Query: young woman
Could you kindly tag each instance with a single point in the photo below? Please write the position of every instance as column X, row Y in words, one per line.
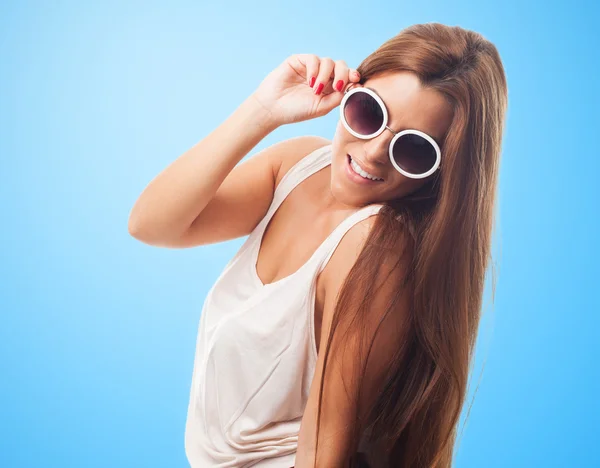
column 342, row 332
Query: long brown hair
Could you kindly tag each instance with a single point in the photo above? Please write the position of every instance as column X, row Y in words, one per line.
column 446, row 229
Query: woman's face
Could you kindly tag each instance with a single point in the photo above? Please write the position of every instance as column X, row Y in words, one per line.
column 408, row 106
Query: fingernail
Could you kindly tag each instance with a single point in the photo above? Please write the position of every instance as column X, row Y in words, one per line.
column 339, row 85
column 319, row 88
column 312, row 81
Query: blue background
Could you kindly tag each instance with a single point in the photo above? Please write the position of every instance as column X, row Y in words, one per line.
column 97, row 330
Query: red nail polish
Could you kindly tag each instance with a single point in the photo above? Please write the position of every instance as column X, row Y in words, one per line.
column 339, row 85
column 312, row 81
column 320, row 88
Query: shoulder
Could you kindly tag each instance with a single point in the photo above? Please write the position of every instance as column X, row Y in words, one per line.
column 354, row 241
column 297, row 149
column 346, row 254
column 387, row 271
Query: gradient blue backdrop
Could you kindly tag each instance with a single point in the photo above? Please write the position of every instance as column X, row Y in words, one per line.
column 97, row 330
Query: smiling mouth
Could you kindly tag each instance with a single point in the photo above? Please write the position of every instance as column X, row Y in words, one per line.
column 349, row 161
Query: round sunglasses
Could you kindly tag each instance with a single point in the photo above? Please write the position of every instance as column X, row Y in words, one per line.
column 412, row 152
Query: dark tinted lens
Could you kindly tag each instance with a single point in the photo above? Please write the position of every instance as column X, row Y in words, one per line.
column 363, row 113
column 414, row 154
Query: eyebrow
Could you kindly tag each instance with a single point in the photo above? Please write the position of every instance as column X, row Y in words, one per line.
column 437, row 140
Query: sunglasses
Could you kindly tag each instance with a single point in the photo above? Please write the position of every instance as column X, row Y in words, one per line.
column 412, row 152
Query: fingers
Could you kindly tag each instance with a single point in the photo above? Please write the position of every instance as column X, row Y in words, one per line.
column 343, row 76
column 325, row 75
column 333, row 94
column 326, row 71
column 311, row 61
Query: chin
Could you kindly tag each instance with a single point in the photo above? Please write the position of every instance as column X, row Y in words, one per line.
column 345, row 195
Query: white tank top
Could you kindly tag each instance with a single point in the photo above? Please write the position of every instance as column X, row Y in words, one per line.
column 256, row 352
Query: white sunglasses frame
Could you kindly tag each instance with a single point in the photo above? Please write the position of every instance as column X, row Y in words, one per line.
column 349, row 92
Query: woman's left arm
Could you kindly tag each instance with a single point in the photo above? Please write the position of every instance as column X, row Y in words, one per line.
column 345, row 361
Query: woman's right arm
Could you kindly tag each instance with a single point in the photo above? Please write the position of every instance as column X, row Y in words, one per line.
column 170, row 210
column 205, row 196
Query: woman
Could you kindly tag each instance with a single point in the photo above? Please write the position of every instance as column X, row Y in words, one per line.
column 342, row 331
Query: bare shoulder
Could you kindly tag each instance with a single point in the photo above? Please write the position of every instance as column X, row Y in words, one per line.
column 302, row 146
column 390, row 271
column 346, row 254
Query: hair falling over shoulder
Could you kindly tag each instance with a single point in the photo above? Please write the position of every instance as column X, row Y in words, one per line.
column 446, row 230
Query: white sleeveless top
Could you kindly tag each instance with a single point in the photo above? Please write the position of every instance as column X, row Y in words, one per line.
column 256, row 352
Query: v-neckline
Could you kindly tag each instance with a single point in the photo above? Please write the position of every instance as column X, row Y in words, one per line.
column 298, row 173
column 256, row 251
column 257, row 245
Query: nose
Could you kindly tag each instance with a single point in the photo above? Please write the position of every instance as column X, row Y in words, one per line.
column 377, row 149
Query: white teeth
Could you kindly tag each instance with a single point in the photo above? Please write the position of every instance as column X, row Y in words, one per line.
column 361, row 172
